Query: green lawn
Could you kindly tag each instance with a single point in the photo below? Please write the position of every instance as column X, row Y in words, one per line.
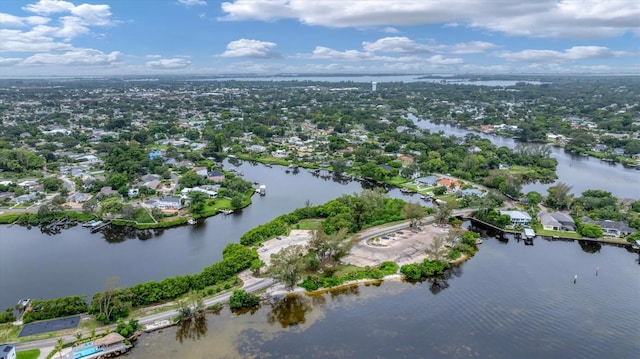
column 308, row 224
column 544, row 232
column 28, row 354
column 142, row 216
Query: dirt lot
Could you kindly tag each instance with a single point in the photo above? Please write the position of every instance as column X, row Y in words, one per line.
column 296, row 236
column 400, row 246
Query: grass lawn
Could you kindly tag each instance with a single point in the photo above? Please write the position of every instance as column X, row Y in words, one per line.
column 28, row 354
column 142, row 216
column 308, row 224
column 544, row 232
column 397, row 181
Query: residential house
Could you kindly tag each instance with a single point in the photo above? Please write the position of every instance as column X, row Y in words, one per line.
column 557, row 221
column 471, row 192
column 7, row 351
column 78, row 197
column 215, row 176
column 611, row 228
column 428, row 181
column 165, row 203
column 133, row 192
column 517, row 217
column 25, row 198
column 107, row 191
column 451, row 184
column 257, row 148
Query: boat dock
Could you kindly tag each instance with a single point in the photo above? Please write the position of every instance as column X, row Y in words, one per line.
column 95, row 225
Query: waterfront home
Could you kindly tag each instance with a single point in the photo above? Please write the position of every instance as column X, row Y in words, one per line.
column 471, row 192
column 7, row 351
column 165, row 203
column 215, row 176
column 110, row 343
column 611, row 228
column 557, row 221
column 517, row 217
column 451, row 184
column 428, row 181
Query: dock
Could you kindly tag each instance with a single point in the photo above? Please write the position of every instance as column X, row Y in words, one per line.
column 529, row 233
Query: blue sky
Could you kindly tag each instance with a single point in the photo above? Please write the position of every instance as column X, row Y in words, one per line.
column 101, row 37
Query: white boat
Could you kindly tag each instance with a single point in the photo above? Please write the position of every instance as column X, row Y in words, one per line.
column 191, row 221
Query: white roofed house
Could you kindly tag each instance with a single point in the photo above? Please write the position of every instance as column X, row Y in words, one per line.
column 165, row 203
column 518, row 217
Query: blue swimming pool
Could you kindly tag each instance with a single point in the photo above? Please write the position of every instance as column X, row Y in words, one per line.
column 85, row 352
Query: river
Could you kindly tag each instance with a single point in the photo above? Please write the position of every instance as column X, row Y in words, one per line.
column 510, row 301
column 581, row 173
column 36, row 265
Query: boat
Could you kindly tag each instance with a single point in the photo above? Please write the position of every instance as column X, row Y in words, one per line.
column 159, row 324
column 262, row 190
column 479, row 241
column 192, row 221
column 226, row 211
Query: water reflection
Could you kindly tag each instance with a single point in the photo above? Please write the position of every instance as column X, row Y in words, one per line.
column 590, row 247
column 290, row 310
column 194, row 328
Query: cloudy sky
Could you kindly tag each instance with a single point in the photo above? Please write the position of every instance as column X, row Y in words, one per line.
column 102, row 37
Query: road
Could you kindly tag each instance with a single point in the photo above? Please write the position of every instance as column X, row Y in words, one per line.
column 251, row 285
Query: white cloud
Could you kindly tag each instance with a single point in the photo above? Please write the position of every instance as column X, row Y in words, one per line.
column 17, row 21
column 552, row 56
column 47, row 7
column 36, row 40
column 390, row 30
column 321, row 52
column 252, row 49
column 541, row 18
column 192, row 2
column 169, row 64
column 8, row 61
column 75, row 57
column 397, row 45
column 473, row 47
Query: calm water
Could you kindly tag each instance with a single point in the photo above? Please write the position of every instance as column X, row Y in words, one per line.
column 582, row 173
column 37, row 265
column 509, row 301
column 373, row 78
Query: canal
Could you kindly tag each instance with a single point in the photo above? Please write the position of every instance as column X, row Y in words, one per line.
column 581, row 173
column 510, row 301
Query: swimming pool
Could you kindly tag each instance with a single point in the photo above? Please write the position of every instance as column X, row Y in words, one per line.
column 85, row 352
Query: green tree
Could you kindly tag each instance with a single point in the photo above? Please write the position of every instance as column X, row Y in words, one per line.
column 332, row 245
column 414, row 212
column 287, row 266
column 52, row 184
column 591, row 230
column 558, row 196
column 443, row 212
column 241, row 299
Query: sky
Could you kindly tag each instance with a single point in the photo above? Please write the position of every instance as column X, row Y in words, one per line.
column 140, row 37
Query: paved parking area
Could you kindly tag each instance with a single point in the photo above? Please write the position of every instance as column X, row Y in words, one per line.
column 402, row 247
column 49, row 326
column 296, row 236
